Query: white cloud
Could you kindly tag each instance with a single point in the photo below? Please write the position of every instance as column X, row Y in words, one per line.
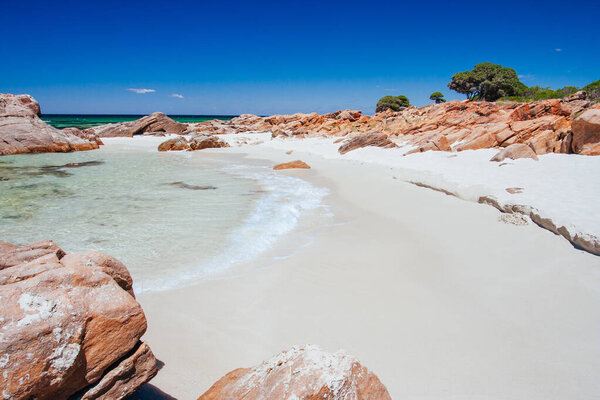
column 390, row 90
column 557, row 49
column 179, row 96
column 141, row 91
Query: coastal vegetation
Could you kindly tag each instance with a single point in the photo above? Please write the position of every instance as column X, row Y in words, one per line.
column 394, row 103
column 438, row 97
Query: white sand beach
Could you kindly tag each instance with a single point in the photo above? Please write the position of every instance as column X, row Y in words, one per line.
column 433, row 293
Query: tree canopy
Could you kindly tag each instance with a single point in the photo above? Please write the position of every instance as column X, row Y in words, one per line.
column 593, row 90
column 487, row 81
column 438, row 97
column 394, row 103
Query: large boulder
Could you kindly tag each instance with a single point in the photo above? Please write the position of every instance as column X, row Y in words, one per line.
column 22, row 130
column 206, row 142
column 156, row 122
column 69, row 325
column 586, row 133
column 301, row 373
column 377, row 139
column 514, row 152
column 174, row 144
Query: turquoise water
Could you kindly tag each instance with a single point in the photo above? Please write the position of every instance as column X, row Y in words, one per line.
column 84, row 121
column 172, row 218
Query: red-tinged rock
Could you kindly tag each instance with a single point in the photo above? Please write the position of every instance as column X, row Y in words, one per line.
column 22, row 131
column 207, row 142
column 11, row 255
column 301, row 373
column 586, row 133
column 156, row 122
column 131, row 372
column 175, row 144
column 109, row 265
column 377, row 139
column 66, row 324
column 292, row 165
column 514, row 152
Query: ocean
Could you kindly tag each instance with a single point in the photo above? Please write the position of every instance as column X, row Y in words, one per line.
column 172, row 218
column 84, row 121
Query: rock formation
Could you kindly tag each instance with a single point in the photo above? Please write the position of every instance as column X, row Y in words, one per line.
column 301, row 373
column 197, row 142
column 376, row 139
column 70, row 325
column 157, row 122
column 22, row 130
column 586, row 133
column 515, row 151
column 545, row 126
column 291, row 165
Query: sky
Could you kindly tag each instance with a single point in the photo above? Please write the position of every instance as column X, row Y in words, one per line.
column 268, row 57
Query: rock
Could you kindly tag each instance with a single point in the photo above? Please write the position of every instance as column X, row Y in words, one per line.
column 301, row 373
column 67, row 323
column 515, row 151
column 206, row 142
column 109, row 265
column 156, row 122
column 11, row 255
column 580, row 95
column 175, row 144
column 22, row 131
column 292, row 164
column 377, row 139
column 586, row 133
column 131, row 372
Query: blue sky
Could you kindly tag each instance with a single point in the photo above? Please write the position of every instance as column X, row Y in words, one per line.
column 268, row 57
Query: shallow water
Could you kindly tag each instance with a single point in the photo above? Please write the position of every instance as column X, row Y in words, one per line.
column 171, row 218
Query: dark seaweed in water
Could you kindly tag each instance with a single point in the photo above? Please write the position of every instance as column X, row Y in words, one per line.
column 8, row 172
column 184, row 185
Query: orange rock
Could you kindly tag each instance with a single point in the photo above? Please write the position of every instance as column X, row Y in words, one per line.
column 377, row 139
column 586, row 133
column 175, row 144
column 292, row 164
column 515, row 151
column 301, row 373
column 68, row 325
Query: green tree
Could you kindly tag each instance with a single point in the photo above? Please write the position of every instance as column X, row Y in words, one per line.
column 394, row 103
column 487, row 81
column 593, row 90
column 438, row 97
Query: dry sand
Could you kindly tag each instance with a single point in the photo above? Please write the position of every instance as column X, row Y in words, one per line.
column 432, row 293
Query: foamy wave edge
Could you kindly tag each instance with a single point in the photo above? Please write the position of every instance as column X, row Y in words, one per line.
column 276, row 214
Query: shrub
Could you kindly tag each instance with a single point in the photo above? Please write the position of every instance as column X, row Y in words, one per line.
column 438, row 97
column 396, row 103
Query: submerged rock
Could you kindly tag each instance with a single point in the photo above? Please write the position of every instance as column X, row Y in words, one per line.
column 68, row 322
column 22, row 131
column 184, row 185
column 301, row 373
column 292, row 164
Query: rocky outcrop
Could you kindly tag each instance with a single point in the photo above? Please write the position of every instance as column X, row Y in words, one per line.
column 197, row 142
column 514, row 152
column 376, row 139
column 70, row 325
column 157, row 122
column 545, row 126
column 586, row 133
column 292, row 165
column 22, row 130
column 301, row 373
column 175, row 144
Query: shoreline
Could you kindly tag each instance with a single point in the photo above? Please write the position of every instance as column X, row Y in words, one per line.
column 406, row 281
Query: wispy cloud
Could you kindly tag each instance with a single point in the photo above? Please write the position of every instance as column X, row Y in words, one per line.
column 179, row 96
column 526, row 76
column 390, row 90
column 141, row 91
column 557, row 49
